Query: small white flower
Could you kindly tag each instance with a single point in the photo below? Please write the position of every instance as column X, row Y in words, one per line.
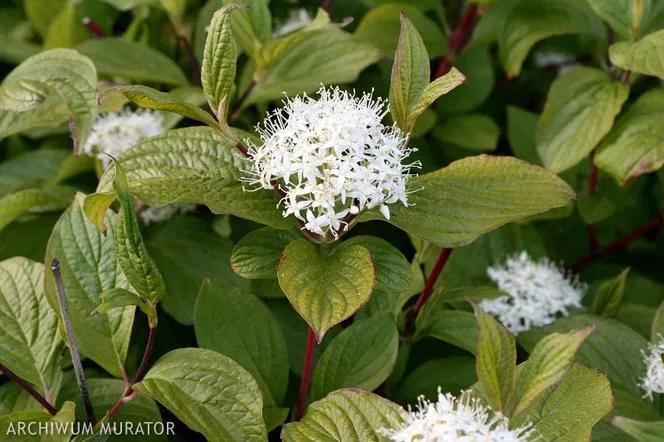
column 653, row 380
column 114, row 133
column 297, row 19
column 153, row 215
column 536, row 292
column 331, row 157
column 462, row 419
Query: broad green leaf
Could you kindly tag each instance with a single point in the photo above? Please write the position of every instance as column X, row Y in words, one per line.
column 66, row 28
column 568, row 410
column 521, row 126
column 496, row 360
column 256, row 255
column 596, row 208
column 188, row 252
column 9, row 425
column 30, row 342
column 579, row 112
column 189, row 96
column 410, row 74
column 118, row 298
column 252, row 26
column 345, row 415
column 104, row 393
column 624, row 16
column 455, row 327
column 52, row 113
column 475, row 195
column 119, row 57
column 452, row 374
column 206, row 171
column 14, row 205
column 609, row 296
column 132, row 255
column 237, row 324
column 393, row 271
column 628, row 406
column 62, row 73
column 531, row 21
column 549, row 361
column 30, row 169
column 219, row 61
column 434, row 90
column 27, row 238
column 641, row 431
column 643, row 56
column 380, row 27
column 477, row 67
column 613, row 348
column 14, row 399
column 153, row 99
column 326, row 56
column 634, row 146
column 88, row 266
column 209, row 392
column 361, row 356
column 325, row 289
column 41, row 13
column 474, row 132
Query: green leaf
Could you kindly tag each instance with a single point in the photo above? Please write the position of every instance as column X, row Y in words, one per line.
column 41, row 13
column 496, row 360
column 175, row 8
column 209, row 392
column 256, row 255
column 238, row 325
column 609, row 296
column 153, row 99
column 477, row 66
column 380, row 27
column 327, row 289
column 579, row 112
column 393, row 271
column 52, row 113
column 326, row 56
column 474, row 132
column 641, row 431
column 531, row 21
column 455, row 327
column 568, row 410
column 104, row 393
column 206, row 171
column 362, row 356
column 219, row 61
column 119, row 57
column 549, row 361
column 95, row 207
column 251, row 26
column 30, row 342
column 188, row 252
column 657, row 324
column 14, row 205
column 634, row 146
column 410, row 91
column 613, row 348
column 345, row 415
column 29, row 169
column 596, row 208
column 13, row 399
column 643, row 56
column 132, row 255
column 521, row 126
column 118, row 298
column 62, row 73
column 628, row 406
column 88, row 266
column 472, row 196
column 624, row 16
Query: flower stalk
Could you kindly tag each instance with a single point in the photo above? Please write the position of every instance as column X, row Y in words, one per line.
column 428, row 287
column 71, row 341
column 307, row 369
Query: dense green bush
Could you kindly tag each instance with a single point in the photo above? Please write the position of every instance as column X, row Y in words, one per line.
column 348, row 220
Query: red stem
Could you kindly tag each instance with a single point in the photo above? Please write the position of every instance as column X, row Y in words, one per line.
column 93, row 27
column 146, row 356
column 30, row 389
column 431, row 281
column 326, row 5
column 650, row 227
column 307, row 367
column 458, row 40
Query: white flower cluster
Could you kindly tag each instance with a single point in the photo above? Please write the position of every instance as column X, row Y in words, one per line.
column 462, row 419
column 653, row 380
column 331, row 157
column 115, row 132
column 153, row 215
column 297, row 19
column 536, row 292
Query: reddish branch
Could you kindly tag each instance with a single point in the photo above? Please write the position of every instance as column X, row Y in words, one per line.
column 93, row 27
column 458, row 40
column 326, row 5
column 307, row 368
column 650, row 227
column 30, row 389
column 431, row 281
